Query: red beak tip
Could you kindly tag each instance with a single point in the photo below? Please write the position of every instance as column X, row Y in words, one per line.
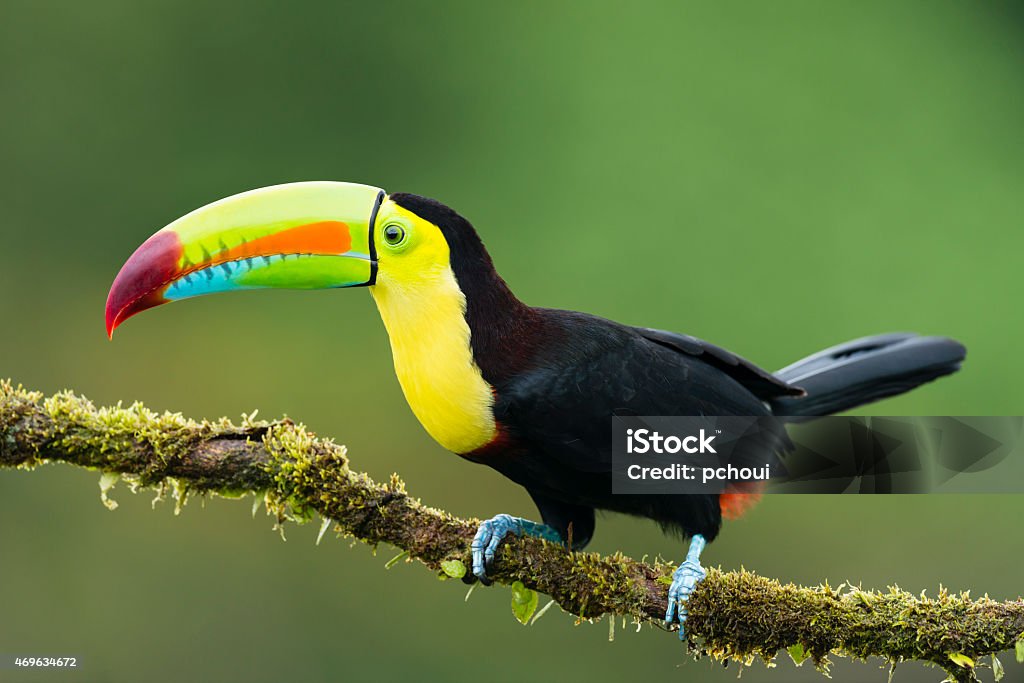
column 110, row 321
column 142, row 278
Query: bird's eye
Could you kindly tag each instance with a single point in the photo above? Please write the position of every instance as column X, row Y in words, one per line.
column 394, row 234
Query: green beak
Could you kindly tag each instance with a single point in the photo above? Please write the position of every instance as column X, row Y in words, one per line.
column 313, row 235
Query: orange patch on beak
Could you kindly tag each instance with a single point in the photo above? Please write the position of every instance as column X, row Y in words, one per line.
column 323, row 238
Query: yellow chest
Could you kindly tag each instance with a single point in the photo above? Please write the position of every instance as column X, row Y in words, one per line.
column 430, row 344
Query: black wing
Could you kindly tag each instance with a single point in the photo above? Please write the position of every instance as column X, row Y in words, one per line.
column 558, row 415
column 760, row 382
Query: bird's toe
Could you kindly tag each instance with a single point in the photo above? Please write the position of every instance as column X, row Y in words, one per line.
column 684, row 580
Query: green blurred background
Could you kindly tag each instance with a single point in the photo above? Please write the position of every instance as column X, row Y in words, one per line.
column 774, row 177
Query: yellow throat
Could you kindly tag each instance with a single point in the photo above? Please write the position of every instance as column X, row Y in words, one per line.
column 423, row 310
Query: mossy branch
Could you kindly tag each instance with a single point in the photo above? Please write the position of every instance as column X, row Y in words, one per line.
column 736, row 615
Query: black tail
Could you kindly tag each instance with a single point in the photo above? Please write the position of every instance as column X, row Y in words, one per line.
column 865, row 370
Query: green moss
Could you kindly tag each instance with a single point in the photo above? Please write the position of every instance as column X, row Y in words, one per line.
column 734, row 616
column 946, row 630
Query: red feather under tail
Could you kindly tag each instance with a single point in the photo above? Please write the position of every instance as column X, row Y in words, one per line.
column 738, row 498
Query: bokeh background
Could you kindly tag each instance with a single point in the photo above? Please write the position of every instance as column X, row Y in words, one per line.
column 774, row 177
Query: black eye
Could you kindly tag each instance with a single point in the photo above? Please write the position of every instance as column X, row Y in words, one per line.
column 394, row 234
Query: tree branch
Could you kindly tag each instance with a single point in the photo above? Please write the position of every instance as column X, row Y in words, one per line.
column 736, row 615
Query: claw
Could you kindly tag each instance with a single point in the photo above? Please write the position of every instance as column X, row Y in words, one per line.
column 493, row 531
column 684, row 579
column 488, row 536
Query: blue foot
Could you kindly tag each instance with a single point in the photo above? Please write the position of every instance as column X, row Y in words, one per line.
column 684, row 580
column 491, row 533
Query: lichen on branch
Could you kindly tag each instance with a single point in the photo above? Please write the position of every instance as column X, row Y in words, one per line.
column 734, row 615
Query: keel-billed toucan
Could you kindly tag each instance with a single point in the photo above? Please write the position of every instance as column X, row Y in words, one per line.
column 528, row 391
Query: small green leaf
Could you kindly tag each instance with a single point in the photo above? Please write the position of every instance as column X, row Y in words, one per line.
column 1020, row 650
column 997, row 669
column 962, row 660
column 798, row 654
column 454, row 568
column 524, row 602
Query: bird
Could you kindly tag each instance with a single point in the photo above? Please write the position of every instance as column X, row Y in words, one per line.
column 527, row 391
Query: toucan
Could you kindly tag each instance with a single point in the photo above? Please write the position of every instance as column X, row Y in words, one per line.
column 528, row 391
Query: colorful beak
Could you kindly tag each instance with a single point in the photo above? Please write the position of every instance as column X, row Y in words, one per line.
column 314, row 235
